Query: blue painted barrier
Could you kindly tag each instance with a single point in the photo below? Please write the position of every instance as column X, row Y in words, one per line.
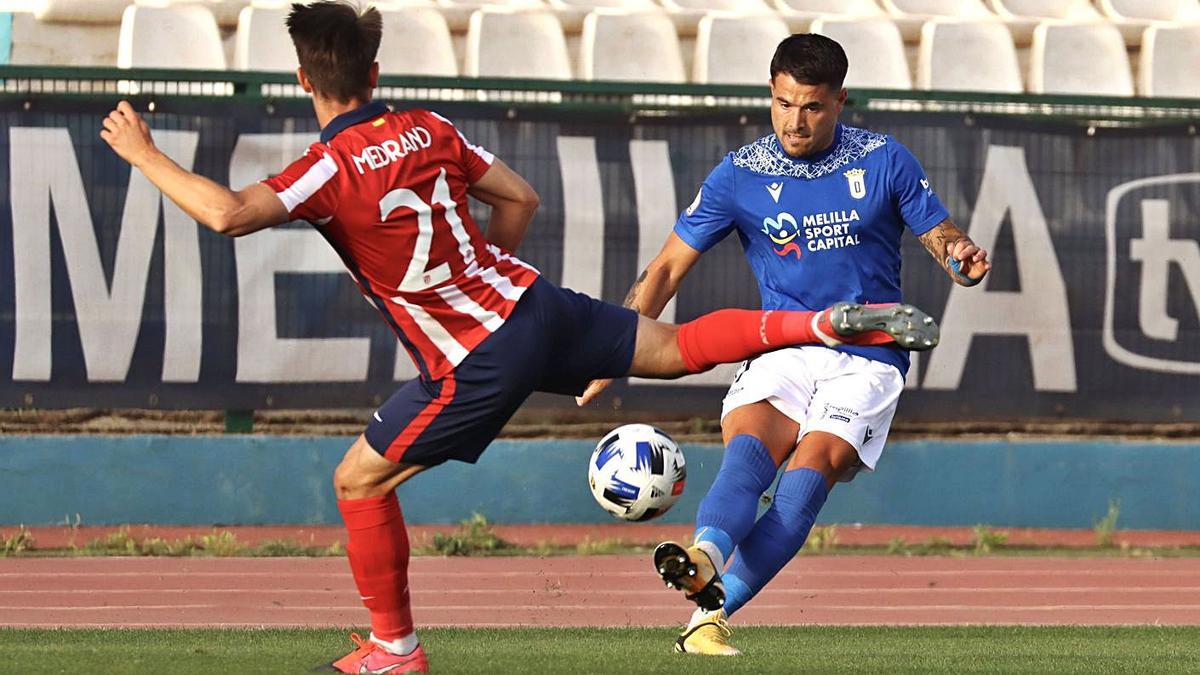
column 231, row 480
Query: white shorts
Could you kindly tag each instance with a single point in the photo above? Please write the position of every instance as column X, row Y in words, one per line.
column 848, row 396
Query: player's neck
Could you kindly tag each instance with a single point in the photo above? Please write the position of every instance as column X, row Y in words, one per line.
column 328, row 108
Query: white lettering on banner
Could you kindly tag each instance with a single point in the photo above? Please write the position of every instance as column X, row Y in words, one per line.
column 263, row 356
column 654, row 188
column 583, row 216
column 391, row 150
column 1157, row 252
column 44, row 171
column 1039, row 311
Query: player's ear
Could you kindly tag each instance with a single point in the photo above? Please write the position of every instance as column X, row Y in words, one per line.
column 373, row 76
column 302, row 78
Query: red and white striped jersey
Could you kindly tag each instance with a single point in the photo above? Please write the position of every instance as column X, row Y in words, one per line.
column 388, row 190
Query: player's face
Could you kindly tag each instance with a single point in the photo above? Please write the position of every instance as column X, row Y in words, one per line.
column 804, row 115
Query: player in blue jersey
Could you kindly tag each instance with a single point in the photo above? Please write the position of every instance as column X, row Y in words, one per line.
column 820, row 209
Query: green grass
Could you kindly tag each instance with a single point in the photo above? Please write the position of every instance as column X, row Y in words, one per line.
column 623, row 650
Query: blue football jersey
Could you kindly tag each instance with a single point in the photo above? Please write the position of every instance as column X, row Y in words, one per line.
column 819, row 230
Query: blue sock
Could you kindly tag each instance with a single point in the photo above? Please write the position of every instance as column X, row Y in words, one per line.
column 726, row 514
column 777, row 537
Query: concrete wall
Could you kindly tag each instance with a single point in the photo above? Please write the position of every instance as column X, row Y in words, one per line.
column 258, row 479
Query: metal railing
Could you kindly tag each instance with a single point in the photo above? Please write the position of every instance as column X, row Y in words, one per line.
column 25, row 85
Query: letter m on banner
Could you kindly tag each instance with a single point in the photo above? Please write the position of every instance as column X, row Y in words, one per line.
column 46, row 183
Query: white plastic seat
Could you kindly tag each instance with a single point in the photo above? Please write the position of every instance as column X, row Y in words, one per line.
column 968, row 56
column 911, row 15
column 572, row 12
column 262, row 41
column 458, row 12
column 1079, row 58
column 735, row 49
column 416, row 41
column 875, row 51
column 516, row 43
column 47, row 43
column 1151, row 10
column 1133, row 17
column 176, row 36
column 1022, row 16
column 632, row 46
column 687, row 13
column 1168, row 62
column 799, row 14
column 226, row 12
column 842, row 7
column 81, row 11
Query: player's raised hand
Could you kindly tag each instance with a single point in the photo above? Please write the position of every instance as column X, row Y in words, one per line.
column 593, row 390
column 128, row 134
column 966, row 260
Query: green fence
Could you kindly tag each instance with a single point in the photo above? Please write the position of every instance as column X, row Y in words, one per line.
column 31, row 83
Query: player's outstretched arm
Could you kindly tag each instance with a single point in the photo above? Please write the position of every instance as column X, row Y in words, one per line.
column 652, row 291
column 211, row 204
column 513, row 203
column 965, row 262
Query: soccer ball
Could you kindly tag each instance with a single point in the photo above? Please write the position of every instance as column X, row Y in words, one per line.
column 637, row 472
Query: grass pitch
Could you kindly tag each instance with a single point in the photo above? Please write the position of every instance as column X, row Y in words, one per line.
column 873, row 649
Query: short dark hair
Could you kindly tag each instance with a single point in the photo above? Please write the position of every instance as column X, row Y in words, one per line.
column 811, row 59
column 336, row 43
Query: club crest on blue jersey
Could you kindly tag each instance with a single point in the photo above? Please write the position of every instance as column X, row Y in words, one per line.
column 782, row 230
column 856, row 178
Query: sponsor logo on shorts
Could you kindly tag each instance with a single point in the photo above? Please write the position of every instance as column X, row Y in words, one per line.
column 837, row 412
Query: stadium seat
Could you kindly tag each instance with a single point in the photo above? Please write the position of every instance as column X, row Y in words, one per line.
column 1151, row 10
column 262, row 41
column 968, row 56
column 1022, row 16
column 458, row 12
column 1168, row 61
column 687, row 13
column 516, row 43
column 51, row 43
column 81, row 11
column 636, row 46
column 571, row 12
column 226, row 12
column 416, row 41
column 875, row 50
column 910, row 15
column 1079, row 58
column 799, row 14
column 176, row 36
column 736, row 49
column 1133, row 17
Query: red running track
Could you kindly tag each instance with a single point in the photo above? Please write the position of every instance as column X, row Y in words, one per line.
column 596, row 591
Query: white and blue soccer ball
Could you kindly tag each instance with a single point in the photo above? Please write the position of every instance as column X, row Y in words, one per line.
column 637, row 472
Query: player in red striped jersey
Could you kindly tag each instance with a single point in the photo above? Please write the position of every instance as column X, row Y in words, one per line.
column 389, row 191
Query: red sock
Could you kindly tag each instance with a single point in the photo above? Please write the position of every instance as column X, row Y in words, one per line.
column 378, row 553
column 732, row 335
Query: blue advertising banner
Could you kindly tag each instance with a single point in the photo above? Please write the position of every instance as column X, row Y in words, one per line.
column 113, row 297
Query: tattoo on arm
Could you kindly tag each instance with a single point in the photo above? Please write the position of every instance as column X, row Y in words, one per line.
column 936, row 240
column 631, row 296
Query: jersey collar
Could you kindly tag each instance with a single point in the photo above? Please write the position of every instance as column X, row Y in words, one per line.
column 837, row 140
column 349, row 119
